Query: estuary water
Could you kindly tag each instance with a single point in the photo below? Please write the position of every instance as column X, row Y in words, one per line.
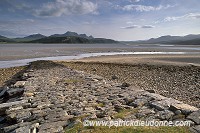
column 12, row 55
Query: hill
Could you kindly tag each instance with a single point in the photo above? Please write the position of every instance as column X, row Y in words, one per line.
column 69, row 33
column 4, row 39
column 72, row 39
column 30, row 38
column 184, row 40
column 68, row 37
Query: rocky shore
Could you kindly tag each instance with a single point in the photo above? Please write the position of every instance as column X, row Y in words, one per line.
column 50, row 97
column 178, row 82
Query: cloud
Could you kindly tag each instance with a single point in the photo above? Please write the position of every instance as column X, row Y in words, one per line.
column 186, row 16
column 142, row 8
column 67, row 7
column 134, row 0
column 129, row 22
column 130, row 27
column 147, row 26
column 138, row 26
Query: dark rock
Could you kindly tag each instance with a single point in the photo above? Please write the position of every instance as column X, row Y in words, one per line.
column 3, row 92
column 151, row 91
column 2, row 119
column 157, row 105
column 15, row 92
column 195, row 129
column 118, row 107
column 195, row 116
column 164, row 115
column 177, row 112
column 114, row 77
column 125, row 84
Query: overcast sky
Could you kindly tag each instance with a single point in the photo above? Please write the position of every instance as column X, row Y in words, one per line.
column 115, row 19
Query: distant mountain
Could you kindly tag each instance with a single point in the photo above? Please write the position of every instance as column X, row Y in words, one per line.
column 69, row 33
column 72, row 39
column 189, row 39
column 30, row 38
column 4, row 39
column 68, row 37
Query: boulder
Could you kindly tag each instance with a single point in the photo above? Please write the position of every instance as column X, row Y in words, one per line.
column 19, row 84
column 124, row 85
column 151, row 91
column 3, row 92
column 195, row 129
column 195, row 116
column 185, row 108
column 139, row 102
column 164, row 115
column 15, row 92
column 114, row 77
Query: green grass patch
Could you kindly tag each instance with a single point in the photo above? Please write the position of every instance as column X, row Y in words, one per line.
column 125, row 112
column 71, row 81
column 80, row 128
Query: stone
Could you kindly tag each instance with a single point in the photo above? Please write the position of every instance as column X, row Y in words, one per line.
column 25, row 129
column 154, row 96
column 195, row 116
column 124, row 85
column 114, row 77
column 157, row 105
column 19, row 84
column 23, row 116
column 139, row 102
column 15, row 92
column 54, row 126
column 2, row 119
column 118, row 107
column 164, row 115
column 151, row 91
column 177, row 112
column 7, row 105
column 195, row 129
column 3, row 92
column 185, row 108
column 28, row 94
column 89, row 109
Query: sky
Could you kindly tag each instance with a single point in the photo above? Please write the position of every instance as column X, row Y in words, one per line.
column 122, row 20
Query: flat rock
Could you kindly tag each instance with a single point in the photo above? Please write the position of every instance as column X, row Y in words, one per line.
column 139, row 102
column 154, row 96
column 7, row 105
column 195, row 129
column 165, row 115
column 195, row 116
column 185, row 108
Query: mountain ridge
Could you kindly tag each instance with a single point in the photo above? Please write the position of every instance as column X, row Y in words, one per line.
column 193, row 39
column 68, row 37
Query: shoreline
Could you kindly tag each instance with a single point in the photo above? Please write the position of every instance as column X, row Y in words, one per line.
column 171, row 79
column 173, row 58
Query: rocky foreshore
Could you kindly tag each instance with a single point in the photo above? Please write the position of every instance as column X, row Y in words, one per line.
column 179, row 82
column 49, row 97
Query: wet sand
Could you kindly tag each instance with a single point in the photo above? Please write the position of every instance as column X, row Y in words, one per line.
column 25, row 51
column 189, row 59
